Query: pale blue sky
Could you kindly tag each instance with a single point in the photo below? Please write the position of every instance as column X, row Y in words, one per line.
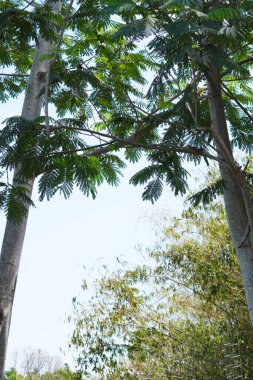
column 62, row 237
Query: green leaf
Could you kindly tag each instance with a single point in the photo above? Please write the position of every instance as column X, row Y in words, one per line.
column 208, row 194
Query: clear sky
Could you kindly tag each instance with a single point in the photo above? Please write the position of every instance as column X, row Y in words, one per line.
column 62, row 237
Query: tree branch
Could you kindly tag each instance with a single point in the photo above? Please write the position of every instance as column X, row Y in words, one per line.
column 14, row 75
column 47, row 79
column 230, row 94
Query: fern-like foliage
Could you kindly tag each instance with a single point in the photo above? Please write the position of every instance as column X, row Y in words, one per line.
column 131, row 75
column 208, row 194
column 14, row 201
column 61, row 160
column 164, row 169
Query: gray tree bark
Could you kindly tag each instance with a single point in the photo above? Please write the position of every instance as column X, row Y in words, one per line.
column 14, row 233
column 237, row 199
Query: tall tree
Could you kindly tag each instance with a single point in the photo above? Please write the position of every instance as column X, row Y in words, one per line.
column 55, row 151
column 197, row 107
column 15, row 233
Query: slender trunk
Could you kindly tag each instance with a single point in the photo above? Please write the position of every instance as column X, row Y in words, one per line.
column 236, row 195
column 15, row 233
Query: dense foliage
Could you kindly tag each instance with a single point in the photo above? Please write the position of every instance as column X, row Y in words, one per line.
column 119, row 93
column 181, row 314
column 88, row 74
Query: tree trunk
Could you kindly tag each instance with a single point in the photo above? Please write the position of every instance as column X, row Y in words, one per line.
column 15, row 233
column 238, row 209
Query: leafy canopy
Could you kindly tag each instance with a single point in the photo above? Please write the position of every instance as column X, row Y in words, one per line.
column 128, row 75
column 86, row 76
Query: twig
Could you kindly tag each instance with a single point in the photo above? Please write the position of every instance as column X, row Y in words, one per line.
column 28, row 5
column 62, row 32
column 52, row 62
column 238, row 79
column 14, row 75
column 200, row 129
column 225, row 151
column 46, row 97
column 246, row 166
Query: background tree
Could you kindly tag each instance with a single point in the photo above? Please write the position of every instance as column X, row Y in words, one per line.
column 14, row 233
column 36, row 362
column 182, row 314
column 62, row 374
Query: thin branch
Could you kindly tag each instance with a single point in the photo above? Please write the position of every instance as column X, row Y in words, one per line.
column 62, row 32
column 28, row 5
column 167, row 149
column 230, row 94
column 247, row 60
column 132, row 105
column 14, row 75
column 228, row 157
column 52, row 62
column 132, row 141
column 246, row 166
column 46, row 97
column 74, row 150
column 238, row 79
column 88, row 60
column 200, row 129
column 65, row 152
column 241, row 63
column 117, row 143
column 181, row 92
